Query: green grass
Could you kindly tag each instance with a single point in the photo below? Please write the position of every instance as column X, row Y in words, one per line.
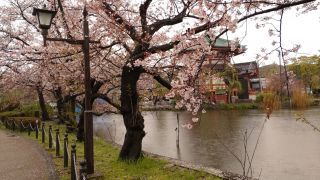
column 236, row 106
column 240, row 106
column 107, row 163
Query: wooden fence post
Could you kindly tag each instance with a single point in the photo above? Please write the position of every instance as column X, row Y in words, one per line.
column 83, row 169
column 50, row 137
column 73, row 163
column 65, row 150
column 57, row 143
column 29, row 129
column 21, row 126
column 43, row 135
column 37, row 129
column 13, row 125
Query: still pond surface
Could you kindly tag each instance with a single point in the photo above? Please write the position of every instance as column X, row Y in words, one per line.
column 287, row 149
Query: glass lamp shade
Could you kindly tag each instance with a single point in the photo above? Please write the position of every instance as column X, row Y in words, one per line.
column 44, row 17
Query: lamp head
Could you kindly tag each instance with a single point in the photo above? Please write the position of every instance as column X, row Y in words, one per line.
column 44, row 17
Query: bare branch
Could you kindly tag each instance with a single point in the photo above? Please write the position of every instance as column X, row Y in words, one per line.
column 279, row 7
column 120, row 21
column 164, row 47
column 106, row 98
column 162, row 81
column 143, row 14
column 65, row 24
column 169, row 21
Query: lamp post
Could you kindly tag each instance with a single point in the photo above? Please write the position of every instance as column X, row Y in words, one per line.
column 45, row 17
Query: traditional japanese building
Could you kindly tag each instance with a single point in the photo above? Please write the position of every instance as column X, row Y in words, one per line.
column 248, row 75
column 211, row 84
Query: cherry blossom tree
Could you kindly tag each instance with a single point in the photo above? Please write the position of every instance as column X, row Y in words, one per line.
column 164, row 39
column 17, row 38
column 158, row 34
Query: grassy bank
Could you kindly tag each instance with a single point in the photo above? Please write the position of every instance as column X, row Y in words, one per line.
column 106, row 162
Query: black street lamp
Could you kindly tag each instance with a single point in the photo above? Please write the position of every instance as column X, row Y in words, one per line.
column 45, row 17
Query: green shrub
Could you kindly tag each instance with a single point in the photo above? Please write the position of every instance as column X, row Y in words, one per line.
column 270, row 102
column 300, row 99
column 30, row 109
column 11, row 114
column 259, row 98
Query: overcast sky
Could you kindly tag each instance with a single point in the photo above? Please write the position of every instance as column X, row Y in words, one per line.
column 302, row 29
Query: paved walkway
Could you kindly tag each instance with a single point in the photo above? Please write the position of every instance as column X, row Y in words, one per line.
column 23, row 159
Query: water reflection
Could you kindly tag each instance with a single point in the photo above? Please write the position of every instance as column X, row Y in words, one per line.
column 287, row 149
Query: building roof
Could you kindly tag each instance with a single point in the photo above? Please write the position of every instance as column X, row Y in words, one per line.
column 221, row 43
column 247, row 67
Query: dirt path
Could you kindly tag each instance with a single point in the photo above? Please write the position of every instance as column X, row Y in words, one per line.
column 23, row 159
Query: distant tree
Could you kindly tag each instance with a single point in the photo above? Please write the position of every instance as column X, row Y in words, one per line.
column 231, row 79
column 307, row 69
column 277, row 84
column 315, row 82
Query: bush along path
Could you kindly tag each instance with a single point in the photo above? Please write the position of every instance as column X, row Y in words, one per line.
column 22, row 159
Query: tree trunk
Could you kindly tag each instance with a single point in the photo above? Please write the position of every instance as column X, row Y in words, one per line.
column 72, row 109
column 60, row 108
column 60, row 104
column 133, row 120
column 95, row 86
column 44, row 112
column 229, row 96
column 80, row 126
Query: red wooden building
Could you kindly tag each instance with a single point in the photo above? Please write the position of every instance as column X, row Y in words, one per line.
column 210, row 83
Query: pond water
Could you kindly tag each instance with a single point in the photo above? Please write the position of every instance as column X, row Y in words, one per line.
column 287, row 149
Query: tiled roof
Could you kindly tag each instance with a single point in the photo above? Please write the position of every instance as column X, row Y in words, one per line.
column 246, row 67
column 223, row 43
